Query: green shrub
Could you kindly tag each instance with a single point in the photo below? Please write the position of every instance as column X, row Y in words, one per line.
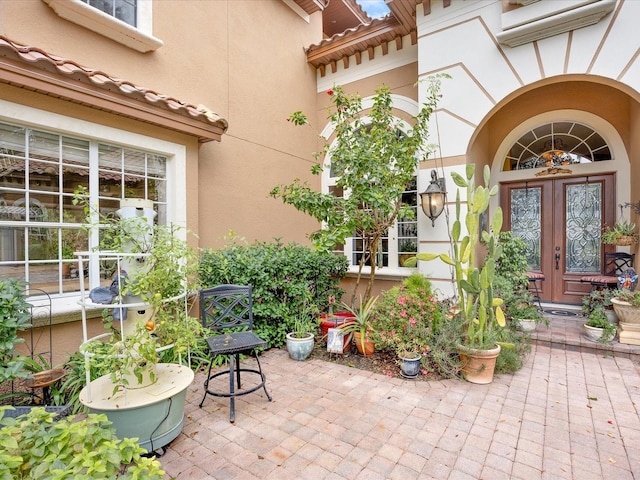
column 35, row 446
column 285, row 278
column 404, row 318
column 15, row 313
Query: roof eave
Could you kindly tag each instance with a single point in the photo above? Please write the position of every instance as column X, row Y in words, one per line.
column 35, row 70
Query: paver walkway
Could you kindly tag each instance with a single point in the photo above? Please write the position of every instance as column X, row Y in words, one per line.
column 567, row 414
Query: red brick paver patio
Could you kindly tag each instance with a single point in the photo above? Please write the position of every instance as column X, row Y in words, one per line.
column 571, row 412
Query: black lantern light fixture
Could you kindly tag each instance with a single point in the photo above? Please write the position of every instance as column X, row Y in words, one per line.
column 433, row 198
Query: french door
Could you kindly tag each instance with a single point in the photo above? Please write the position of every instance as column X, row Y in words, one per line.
column 560, row 220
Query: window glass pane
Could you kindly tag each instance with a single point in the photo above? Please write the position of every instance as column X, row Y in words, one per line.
column 40, row 228
column 126, row 11
column 407, row 226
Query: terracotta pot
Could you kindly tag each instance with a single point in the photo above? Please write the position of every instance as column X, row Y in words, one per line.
column 478, row 365
column 368, row 344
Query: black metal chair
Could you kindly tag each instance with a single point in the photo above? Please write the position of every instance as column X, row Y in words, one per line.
column 615, row 264
column 534, row 288
column 228, row 309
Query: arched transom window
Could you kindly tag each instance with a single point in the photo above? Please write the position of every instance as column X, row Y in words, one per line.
column 557, row 143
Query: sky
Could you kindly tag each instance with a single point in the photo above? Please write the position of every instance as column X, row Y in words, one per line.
column 374, row 8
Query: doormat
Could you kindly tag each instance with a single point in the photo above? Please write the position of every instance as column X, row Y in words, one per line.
column 558, row 312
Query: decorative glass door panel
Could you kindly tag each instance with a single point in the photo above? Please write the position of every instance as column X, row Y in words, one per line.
column 560, row 221
column 526, row 221
column 584, row 221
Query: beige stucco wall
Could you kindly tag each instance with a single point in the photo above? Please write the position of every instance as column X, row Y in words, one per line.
column 221, row 54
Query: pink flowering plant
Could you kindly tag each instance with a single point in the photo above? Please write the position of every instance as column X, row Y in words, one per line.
column 405, row 318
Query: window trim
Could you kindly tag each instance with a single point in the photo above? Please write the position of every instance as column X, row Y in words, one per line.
column 60, row 124
column 139, row 38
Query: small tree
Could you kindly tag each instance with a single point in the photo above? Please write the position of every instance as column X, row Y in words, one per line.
column 375, row 159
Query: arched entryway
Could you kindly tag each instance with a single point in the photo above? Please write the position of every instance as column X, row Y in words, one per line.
column 562, row 164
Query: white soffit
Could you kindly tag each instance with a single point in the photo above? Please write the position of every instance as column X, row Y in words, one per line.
column 545, row 19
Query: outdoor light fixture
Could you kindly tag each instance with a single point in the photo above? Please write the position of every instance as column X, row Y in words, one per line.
column 433, row 198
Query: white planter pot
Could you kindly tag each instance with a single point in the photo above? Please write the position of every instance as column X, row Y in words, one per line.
column 526, row 324
column 592, row 333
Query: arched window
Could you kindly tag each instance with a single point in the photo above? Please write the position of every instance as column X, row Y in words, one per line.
column 555, row 144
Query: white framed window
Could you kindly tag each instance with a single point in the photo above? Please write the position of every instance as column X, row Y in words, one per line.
column 401, row 241
column 42, row 166
column 123, row 10
column 129, row 22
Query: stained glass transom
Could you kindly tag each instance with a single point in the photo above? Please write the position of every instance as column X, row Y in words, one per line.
column 556, row 144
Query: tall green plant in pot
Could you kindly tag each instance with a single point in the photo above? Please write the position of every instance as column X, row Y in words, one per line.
column 477, row 308
column 374, row 157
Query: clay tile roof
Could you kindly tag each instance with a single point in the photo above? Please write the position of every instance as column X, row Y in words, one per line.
column 197, row 120
column 366, row 36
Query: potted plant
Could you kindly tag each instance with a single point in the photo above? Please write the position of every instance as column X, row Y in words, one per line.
column 511, row 284
column 361, row 325
column 598, row 328
column 333, row 320
column 409, row 361
column 300, row 341
column 479, row 312
column 403, row 322
column 374, row 158
column 157, row 269
column 623, row 233
column 600, row 300
column 626, row 304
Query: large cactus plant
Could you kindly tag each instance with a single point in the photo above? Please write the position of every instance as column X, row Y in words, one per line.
column 479, row 310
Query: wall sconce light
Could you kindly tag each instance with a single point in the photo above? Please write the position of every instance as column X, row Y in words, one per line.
column 433, row 198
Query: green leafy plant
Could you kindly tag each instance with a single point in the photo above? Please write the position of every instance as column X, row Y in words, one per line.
column 14, row 318
column 511, row 282
column 126, row 356
column 307, row 320
column 628, row 296
column 163, row 275
column 622, row 228
column 374, row 158
column 38, row 446
column 405, row 317
column 362, row 316
column 282, row 275
column 480, row 313
column 599, row 300
column 598, row 319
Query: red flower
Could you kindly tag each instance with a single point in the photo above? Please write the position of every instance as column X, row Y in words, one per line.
column 329, row 92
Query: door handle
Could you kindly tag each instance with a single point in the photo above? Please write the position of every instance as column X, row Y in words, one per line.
column 557, row 257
